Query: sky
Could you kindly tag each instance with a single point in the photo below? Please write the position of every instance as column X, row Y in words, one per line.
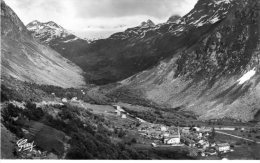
column 99, row 17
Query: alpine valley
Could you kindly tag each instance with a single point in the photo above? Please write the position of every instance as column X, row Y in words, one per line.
column 176, row 90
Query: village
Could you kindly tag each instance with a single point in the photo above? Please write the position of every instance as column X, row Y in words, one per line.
column 198, row 140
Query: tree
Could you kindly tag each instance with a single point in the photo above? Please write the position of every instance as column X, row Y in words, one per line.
column 212, row 135
column 133, row 140
column 121, row 133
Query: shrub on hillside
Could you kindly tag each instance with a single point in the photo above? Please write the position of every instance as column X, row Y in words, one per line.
column 32, row 112
column 133, row 140
column 89, row 139
column 8, row 115
column 9, row 94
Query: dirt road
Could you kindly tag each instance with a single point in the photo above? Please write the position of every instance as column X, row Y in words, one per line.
column 236, row 136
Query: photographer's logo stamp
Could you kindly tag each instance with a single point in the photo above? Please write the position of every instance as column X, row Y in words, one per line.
column 24, row 145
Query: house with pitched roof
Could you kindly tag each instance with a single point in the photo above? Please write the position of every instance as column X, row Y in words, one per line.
column 172, row 138
column 223, row 147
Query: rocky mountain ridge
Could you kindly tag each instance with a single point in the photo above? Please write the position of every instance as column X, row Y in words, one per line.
column 58, row 38
column 46, row 32
column 174, row 19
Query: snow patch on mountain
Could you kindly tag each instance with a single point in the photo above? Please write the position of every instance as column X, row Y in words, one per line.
column 214, row 20
column 200, row 21
column 74, row 39
column 222, row 1
column 247, row 76
column 147, row 24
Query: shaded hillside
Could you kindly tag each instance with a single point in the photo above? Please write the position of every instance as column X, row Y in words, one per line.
column 215, row 77
column 27, row 60
column 136, row 49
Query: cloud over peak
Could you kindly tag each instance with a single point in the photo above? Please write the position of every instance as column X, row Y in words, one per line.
column 79, row 14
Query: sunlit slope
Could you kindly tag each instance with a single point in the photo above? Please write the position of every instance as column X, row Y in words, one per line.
column 27, row 60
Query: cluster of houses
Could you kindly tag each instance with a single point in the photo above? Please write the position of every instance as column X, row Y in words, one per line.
column 166, row 135
column 198, row 137
column 73, row 99
column 195, row 137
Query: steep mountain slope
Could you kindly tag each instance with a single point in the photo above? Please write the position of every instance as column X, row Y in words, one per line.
column 126, row 53
column 58, row 38
column 25, row 59
column 218, row 75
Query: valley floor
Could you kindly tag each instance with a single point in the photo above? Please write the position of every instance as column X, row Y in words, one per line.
column 63, row 122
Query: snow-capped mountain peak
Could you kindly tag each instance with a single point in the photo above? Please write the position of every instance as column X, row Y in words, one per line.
column 49, row 24
column 53, row 24
column 58, row 38
column 205, row 12
column 147, row 24
column 35, row 22
column 174, row 19
column 46, row 32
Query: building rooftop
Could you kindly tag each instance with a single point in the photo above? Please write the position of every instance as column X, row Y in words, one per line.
column 222, row 144
column 187, row 140
column 173, row 136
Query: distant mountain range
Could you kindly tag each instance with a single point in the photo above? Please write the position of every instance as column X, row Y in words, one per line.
column 100, row 67
column 126, row 53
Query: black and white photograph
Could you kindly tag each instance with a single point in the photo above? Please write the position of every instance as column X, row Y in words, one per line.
column 130, row 80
